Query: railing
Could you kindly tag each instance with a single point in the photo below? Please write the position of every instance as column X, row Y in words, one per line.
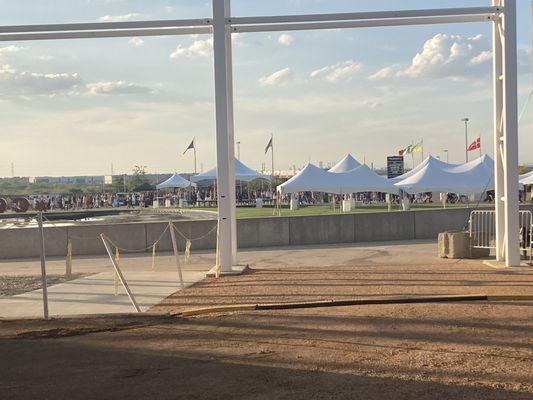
column 483, row 229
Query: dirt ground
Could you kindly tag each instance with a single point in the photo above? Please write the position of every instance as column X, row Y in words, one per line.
column 419, row 351
column 12, row 285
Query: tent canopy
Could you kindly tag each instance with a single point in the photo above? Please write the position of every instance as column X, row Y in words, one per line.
column 527, row 178
column 434, row 162
column 346, row 164
column 314, row 179
column 474, row 177
column 242, row 174
column 175, row 181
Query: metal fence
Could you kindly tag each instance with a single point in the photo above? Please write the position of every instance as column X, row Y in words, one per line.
column 483, row 229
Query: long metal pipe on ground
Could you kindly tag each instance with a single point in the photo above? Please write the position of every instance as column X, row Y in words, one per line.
column 351, row 302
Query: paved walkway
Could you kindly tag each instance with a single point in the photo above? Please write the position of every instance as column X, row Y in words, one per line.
column 94, row 294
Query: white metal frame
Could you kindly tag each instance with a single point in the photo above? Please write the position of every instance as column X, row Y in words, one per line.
column 502, row 14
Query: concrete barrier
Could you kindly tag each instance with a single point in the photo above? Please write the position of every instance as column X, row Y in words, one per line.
column 251, row 232
column 321, row 229
column 384, row 226
column 263, row 232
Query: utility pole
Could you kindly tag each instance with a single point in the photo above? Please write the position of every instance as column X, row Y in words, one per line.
column 465, row 120
column 239, row 150
column 447, row 158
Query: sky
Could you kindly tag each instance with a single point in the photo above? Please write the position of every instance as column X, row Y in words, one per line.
column 76, row 107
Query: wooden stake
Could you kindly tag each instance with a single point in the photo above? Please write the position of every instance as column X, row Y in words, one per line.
column 68, row 263
column 153, row 257
column 117, row 261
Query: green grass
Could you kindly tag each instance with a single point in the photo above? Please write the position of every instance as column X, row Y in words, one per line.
column 250, row 212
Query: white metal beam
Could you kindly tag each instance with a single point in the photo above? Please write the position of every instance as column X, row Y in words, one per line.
column 510, row 135
column 222, row 108
column 14, row 37
column 499, row 205
column 362, row 23
column 93, row 26
column 231, row 133
column 363, row 15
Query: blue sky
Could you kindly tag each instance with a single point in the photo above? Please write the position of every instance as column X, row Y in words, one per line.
column 75, row 107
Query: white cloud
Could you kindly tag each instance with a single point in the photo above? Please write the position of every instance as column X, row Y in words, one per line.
column 24, row 83
column 338, row 72
column 118, row 88
column 383, row 73
column 136, row 41
column 450, row 56
column 121, row 18
column 277, row 78
column 10, row 49
column 285, row 39
column 199, row 48
column 481, row 58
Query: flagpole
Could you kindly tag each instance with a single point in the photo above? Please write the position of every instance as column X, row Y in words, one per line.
column 422, row 150
column 272, row 154
column 412, row 155
column 194, row 148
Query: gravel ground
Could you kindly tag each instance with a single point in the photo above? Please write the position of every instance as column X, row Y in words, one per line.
column 475, row 350
column 12, row 285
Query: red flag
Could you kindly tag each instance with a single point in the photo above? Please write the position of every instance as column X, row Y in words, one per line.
column 400, row 152
column 476, row 144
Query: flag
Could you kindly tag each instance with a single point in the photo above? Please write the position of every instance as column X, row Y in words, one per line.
column 417, row 148
column 191, row 146
column 269, row 145
column 405, row 151
column 476, row 144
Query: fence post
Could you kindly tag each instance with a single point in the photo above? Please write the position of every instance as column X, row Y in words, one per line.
column 176, row 254
column 68, row 263
column 43, row 264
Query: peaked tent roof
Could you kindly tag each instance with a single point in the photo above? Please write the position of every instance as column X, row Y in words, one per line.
column 527, row 178
column 175, row 181
column 314, row 179
column 429, row 160
column 477, row 176
column 346, row 164
column 242, row 173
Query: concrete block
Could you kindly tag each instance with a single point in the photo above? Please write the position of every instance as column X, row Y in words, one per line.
column 24, row 242
column 86, row 239
column 321, row 229
column 384, row 226
column 429, row 223
column 263, row 232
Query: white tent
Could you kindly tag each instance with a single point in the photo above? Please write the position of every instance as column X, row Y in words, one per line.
column 314, row 179
column 242, row 174
column 527, row 178
column 346, row 164
column 474, row 177
column 175, row 181
column 435, row 162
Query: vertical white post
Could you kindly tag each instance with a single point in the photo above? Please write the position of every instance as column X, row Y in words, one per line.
column 43, row 264
column 510, row 136
column 231, row 132
column 225, row 173
column 498, row 133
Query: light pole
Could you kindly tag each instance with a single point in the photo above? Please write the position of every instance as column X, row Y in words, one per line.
column 447, row 158
column 238, row 150
column 465, row 120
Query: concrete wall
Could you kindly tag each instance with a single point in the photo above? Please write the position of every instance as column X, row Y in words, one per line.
column 252, row 232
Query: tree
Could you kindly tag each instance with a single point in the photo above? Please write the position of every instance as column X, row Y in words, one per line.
column 139, row 177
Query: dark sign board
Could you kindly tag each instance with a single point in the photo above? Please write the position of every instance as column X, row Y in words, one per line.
column 394, row 166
